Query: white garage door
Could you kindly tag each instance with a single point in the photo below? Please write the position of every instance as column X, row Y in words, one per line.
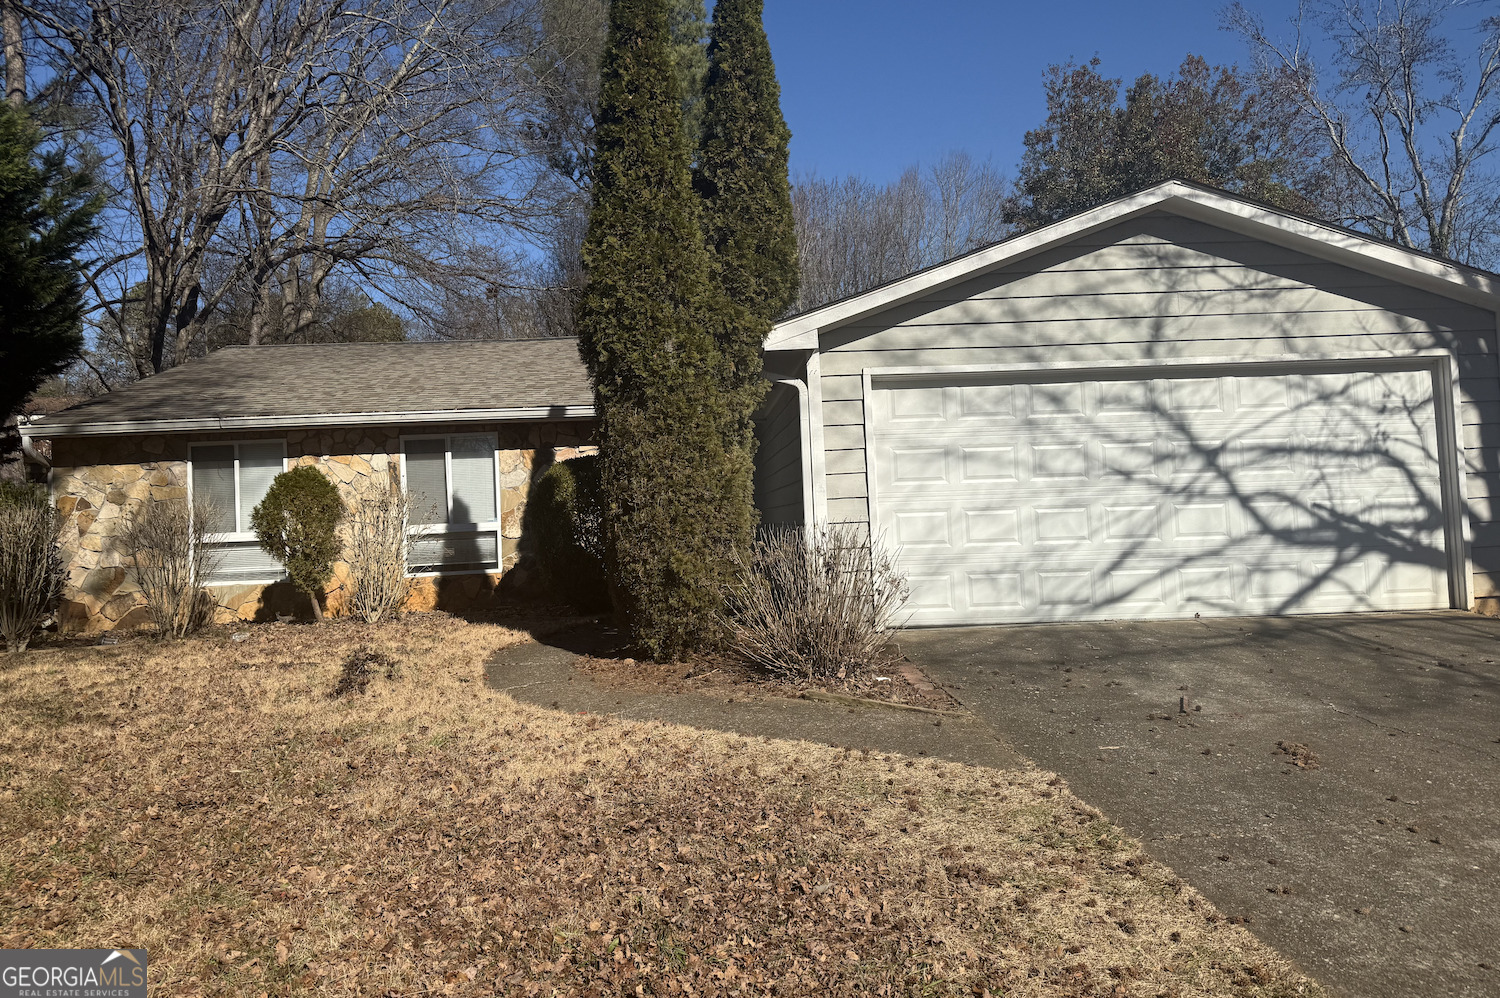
column 1291, row 492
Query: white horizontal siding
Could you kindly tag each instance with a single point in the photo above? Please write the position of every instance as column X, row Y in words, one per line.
column 1167, row 288
column 778, row 458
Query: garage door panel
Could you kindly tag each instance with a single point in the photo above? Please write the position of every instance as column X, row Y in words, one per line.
column 1163, row 497
column 987, row 465
column 1054, row 458
column 995, row 591
column 989, row 528
column 987, row 402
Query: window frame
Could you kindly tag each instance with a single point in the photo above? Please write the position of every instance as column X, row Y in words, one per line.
column 235, row 536
column 416, row 530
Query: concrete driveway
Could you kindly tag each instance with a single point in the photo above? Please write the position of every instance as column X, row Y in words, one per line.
column 1375, row 864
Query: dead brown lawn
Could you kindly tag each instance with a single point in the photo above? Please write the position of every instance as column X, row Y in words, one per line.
column 208, row 801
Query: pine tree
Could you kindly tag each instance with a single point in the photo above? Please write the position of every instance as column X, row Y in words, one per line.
column 46, row 215
column 646, row 322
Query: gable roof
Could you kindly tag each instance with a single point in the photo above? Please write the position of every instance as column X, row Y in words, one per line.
column 1205, row 204
column 325, row 384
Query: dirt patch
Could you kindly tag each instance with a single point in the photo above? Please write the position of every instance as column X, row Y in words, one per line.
column 207, row 800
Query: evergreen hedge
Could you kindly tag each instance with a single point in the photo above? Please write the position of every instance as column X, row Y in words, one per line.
column 741, row 177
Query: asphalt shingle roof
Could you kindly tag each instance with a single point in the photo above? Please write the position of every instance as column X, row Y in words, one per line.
column 347, row 379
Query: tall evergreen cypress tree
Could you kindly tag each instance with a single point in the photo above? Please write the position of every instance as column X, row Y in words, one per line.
column 646, row 323
column 741, row 175
column 688, row 23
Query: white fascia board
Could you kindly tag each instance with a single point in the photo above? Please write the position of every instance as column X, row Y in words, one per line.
column 1326, row 242
column 216, row 423
column 1441, row 277
column 792, row 334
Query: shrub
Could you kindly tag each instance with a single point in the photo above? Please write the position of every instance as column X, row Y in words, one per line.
column 375, row 550
column 565, row 518
column 297, row 524
column 31, row 570
column 810, row 605
column 171, row 560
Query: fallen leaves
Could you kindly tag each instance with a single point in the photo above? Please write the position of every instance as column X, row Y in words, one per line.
column 434, row 836
column 1297, row 754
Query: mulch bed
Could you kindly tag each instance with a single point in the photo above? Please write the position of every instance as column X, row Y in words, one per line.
column 731, row 677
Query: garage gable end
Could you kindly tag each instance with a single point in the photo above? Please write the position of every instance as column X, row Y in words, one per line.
column 1170, row 416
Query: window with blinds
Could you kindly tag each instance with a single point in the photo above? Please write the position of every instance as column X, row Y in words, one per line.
column 232, row 479
column 454, row 517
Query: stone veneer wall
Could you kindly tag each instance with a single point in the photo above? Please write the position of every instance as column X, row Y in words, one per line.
column 97, row 483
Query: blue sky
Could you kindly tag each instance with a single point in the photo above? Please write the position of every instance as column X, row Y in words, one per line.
column 872, row 86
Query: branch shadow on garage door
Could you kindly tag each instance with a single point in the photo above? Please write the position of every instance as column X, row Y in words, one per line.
column 1275, row 489
column 1212, row 456
column 1323, row 483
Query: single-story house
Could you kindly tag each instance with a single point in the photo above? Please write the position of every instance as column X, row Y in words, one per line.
column 467, row 425
column 1177, row 403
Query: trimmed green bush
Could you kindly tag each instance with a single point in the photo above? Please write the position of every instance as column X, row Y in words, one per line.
column 297, row 524
column 564, row 516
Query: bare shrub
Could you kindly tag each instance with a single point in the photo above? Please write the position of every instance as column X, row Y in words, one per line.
column 171, row 561
column 375, row 550
column 810, row 605
column 31, row 570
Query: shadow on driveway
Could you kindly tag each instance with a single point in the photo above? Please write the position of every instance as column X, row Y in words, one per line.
column 543, row 674
column 1378, row 869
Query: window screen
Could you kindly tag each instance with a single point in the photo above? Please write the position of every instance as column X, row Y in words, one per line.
column 427, row 480
column 473, row 479
column 242, row 561
column 213, row 484
column 259, row 466
column 454, row 552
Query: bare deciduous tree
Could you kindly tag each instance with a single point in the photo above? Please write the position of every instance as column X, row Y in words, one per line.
column 1408, row 111
column 853, row 234
column 966, row 201
column 15, row 53
column 271, row 144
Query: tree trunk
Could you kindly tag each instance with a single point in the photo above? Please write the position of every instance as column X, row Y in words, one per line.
column 317, row 607
column 15, row 54
column 260, row 313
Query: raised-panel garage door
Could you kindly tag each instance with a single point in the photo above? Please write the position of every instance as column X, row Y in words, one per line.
column 1289, row 492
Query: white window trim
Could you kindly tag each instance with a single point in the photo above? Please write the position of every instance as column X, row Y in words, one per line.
column 439, row 529
column 235, row 536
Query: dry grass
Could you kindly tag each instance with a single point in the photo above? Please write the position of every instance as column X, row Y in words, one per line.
column 209, row 801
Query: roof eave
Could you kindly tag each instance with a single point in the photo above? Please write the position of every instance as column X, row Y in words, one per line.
column 1315, row 239
column 530, row 414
